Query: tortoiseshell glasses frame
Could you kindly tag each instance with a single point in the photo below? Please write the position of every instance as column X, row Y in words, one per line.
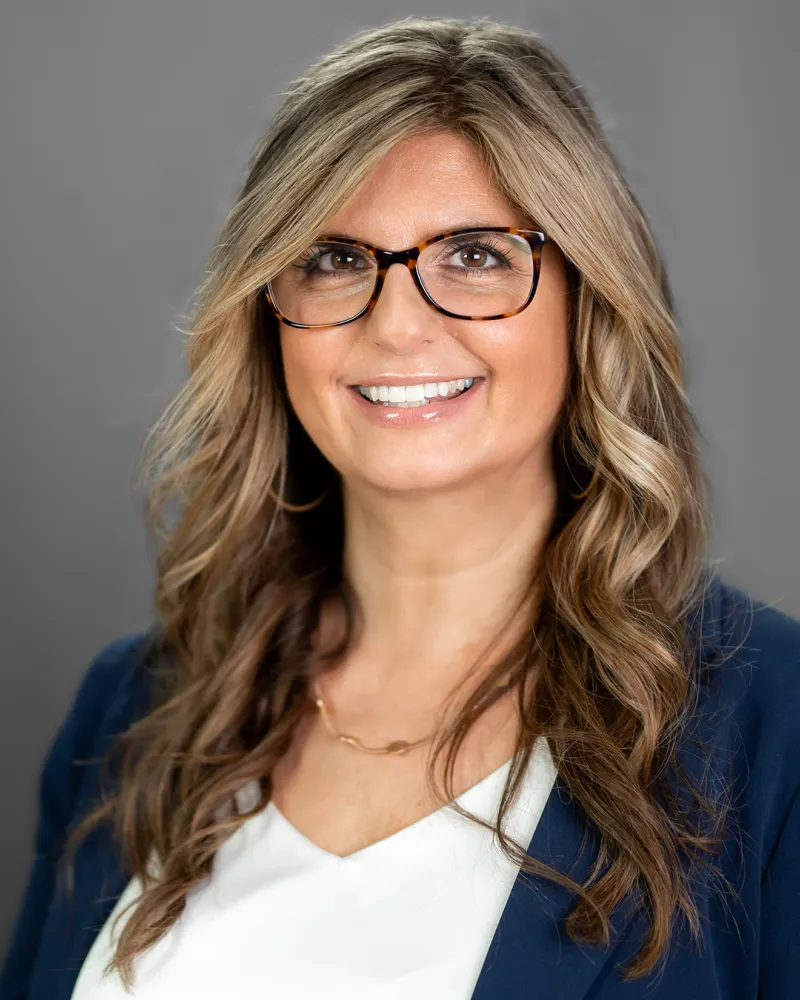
column 535, row 239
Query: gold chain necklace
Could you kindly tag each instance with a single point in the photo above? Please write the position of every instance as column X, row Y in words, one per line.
column 396, row 746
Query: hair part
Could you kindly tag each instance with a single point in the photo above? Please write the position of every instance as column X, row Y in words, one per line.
column 606, row 667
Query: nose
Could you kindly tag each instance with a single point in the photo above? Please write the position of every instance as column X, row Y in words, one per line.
column 401, row 320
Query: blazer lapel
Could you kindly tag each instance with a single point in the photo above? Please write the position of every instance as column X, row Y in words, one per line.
column 528, row 950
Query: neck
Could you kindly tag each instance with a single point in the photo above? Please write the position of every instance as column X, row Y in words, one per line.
column 437, row 574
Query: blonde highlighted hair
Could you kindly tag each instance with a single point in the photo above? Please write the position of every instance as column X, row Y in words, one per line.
column 253, row 544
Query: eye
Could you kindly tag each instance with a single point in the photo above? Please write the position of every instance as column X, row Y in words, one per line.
column 329, row 258
column 473, row 247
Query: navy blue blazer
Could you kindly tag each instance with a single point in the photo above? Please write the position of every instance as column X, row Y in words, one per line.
column 750, row 706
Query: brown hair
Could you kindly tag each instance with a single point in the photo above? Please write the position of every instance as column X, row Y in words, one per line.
column 242, row 572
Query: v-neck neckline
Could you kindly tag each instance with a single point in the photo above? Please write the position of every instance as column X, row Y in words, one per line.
column 392, row 839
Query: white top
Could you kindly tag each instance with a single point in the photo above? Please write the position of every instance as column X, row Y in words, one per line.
column 412, row 915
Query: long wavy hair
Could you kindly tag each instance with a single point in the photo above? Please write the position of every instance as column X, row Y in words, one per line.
column 247, row 514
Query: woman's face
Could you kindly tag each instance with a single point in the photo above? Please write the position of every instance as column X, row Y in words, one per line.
column 425, row 186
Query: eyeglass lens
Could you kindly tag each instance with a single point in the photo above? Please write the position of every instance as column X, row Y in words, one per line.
column 477, row 274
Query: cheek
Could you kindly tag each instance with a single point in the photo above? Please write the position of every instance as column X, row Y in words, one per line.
column 535, row 350
column 303, row 369
column 311, row 362
column 530, row 371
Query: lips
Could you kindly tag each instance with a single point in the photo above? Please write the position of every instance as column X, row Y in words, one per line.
column 420, row 378
column 425, row 412
column 413, row 394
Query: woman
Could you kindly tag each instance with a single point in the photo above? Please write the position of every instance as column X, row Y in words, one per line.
column 434, row 625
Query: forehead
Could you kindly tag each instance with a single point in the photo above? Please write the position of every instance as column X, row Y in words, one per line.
column 424, row 185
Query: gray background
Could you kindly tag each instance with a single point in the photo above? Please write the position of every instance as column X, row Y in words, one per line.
column 125, row 129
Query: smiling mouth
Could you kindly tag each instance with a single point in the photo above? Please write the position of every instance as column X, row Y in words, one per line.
column 415, row 395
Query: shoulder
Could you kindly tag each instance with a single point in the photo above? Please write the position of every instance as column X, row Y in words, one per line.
column 114, row 690
column 749, row 703
column 751, row 656
column 114, row 687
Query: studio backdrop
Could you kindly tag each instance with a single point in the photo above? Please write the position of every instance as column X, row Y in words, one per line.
column 125, row 132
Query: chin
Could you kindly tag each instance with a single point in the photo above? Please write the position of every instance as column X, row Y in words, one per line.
column 413, row 478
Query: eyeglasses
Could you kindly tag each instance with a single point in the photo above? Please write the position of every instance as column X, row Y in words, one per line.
column 484, row 273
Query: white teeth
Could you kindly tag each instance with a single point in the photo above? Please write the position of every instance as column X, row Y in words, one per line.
column 414, row 395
